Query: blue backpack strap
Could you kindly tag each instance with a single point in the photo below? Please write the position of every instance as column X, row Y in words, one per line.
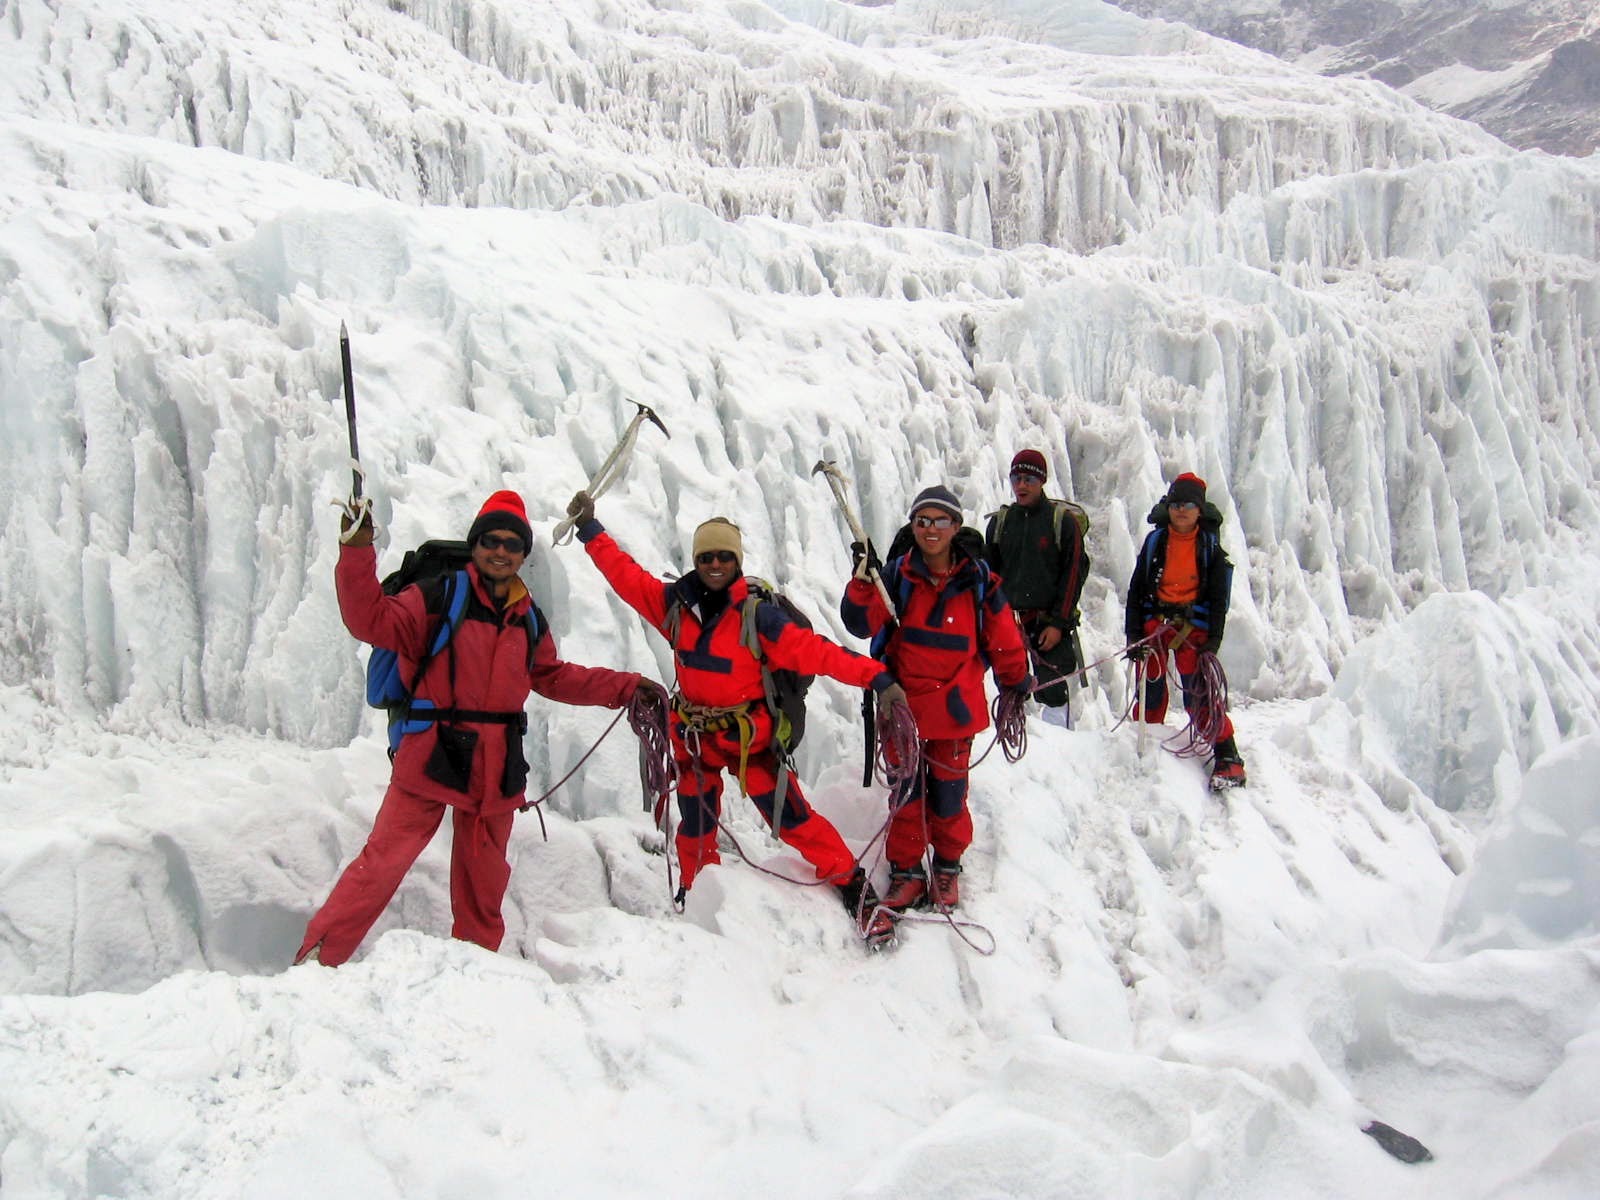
column 457, row 591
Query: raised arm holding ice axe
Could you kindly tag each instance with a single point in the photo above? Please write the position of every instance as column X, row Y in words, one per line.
column 612, row 469
column 866, row 567
column 457, row 639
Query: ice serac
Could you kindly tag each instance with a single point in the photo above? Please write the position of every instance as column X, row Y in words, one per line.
column 905, row 117
column 1372, row 329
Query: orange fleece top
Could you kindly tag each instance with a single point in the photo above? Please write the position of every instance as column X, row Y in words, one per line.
column 1180, row 582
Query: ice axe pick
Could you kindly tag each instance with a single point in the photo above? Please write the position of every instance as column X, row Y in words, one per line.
column 611, row 470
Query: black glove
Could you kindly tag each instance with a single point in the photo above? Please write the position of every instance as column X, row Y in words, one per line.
column 863, row 561
column 581, row 508
column 1138, row 653
column 1024, row 689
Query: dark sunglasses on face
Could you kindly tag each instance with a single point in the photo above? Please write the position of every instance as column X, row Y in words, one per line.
column 1023, row 476
column 1183, row 504
column 716, row 556
column 933, row 522
column 494, row 541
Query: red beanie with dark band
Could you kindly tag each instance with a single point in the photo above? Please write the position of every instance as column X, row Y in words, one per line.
column 503, row 510
column 1030, row 462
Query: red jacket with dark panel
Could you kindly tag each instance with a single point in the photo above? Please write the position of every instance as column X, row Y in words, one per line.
column 484, row 667
column 714, row 667
column 940, row 648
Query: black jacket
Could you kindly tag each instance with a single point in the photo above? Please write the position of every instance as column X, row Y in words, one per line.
column 1210, row 611
column 1042, row 573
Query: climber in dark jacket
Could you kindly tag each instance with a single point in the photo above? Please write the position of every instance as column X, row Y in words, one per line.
column 1036, row 547
column 1179, row 597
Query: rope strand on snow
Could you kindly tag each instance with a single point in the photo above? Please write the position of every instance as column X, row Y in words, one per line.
column 647, row 718
column 1046, row 676
column 555, row 787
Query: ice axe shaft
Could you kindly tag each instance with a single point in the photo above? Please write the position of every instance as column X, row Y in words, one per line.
column 836, row 481
column 350, row 411
column 869, row 724
column 611, row 470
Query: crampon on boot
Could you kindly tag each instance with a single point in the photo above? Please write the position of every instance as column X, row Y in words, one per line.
column 908, row 888
column 873, row 921
column 1227, row 768
column 946, row 884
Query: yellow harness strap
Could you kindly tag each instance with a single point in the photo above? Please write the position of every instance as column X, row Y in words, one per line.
column 705, row 718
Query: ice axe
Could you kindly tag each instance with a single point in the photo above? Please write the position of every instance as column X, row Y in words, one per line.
column 350, row 412
column 611, row 470
column 357, row 509
column 836, row 481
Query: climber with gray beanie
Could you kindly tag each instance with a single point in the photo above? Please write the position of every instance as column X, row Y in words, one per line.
column 951, row 620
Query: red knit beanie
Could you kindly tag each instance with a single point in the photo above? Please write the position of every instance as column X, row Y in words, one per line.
column 1030, row 462
column 503, row 510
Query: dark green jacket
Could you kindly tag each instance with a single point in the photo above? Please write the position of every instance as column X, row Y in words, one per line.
column 1039, row 575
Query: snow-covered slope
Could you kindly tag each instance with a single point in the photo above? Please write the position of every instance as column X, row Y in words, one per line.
column 1527, row 72
column 912, row 239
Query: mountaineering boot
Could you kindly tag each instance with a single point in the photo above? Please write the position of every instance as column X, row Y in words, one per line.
column 1227, row 768
column 946, row 884
column 908, row 888
column 861, row 901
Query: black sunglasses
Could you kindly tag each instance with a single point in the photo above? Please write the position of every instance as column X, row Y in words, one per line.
column 510, row 542
column 933, row 522
column 716, row 556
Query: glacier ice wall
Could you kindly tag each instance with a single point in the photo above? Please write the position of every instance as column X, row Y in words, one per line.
column 791, row 229
column 923, row 116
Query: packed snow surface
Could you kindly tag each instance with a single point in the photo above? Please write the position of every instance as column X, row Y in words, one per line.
column 910, row 239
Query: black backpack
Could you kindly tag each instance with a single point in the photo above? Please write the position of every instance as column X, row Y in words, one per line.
column 445, row 560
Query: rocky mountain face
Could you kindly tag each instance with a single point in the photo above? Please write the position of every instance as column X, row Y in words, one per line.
column 1527, row 72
